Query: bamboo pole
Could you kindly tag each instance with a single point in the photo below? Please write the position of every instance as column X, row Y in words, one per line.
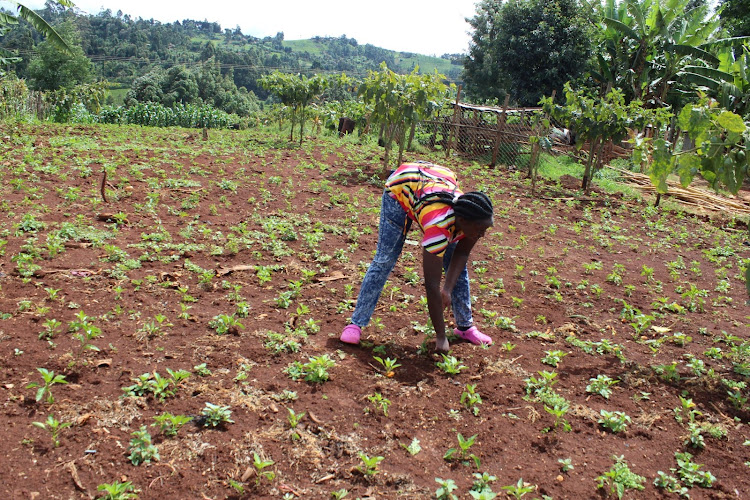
column 500, row 126
column 454, row 126
column 535, row 150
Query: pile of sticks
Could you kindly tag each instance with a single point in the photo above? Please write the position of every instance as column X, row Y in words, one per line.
column 691, row 196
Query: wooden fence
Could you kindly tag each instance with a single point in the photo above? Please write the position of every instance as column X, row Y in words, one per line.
column 495, row 135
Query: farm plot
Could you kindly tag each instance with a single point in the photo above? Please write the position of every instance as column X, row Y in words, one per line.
column 172, row 332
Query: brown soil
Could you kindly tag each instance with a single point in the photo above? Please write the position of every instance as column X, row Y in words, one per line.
column 254, row 200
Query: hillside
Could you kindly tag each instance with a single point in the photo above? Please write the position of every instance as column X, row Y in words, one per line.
column 123, row 48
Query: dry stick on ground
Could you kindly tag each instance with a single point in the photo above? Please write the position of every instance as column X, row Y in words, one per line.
column 104, row 183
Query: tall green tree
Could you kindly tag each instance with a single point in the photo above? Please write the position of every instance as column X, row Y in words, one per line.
column 399, row 102
column 52, row 69
column 600, row 120
column 483, row 78
column 295, row 91
column 735, row 16
column 527, row 48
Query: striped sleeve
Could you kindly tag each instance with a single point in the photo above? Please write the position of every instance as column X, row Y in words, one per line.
column 437, row 222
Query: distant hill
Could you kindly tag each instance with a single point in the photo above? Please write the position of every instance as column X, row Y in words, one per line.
column 124, row 48
column 340, row 51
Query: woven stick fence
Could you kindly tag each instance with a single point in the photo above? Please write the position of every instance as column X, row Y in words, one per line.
column 691, row 195
column 494, row 135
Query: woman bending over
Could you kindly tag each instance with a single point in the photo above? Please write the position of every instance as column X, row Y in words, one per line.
column 452, row 222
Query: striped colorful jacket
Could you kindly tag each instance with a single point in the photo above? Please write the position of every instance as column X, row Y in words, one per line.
column 410, row 182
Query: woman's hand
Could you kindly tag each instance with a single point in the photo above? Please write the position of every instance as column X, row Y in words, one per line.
column 441, row 345
column 445, row 295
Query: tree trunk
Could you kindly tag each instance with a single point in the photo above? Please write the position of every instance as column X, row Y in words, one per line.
column 587, row 172
column 411, row 135
column 291, row 129
column 401, row 146
column 687, row 142
column 301, row 125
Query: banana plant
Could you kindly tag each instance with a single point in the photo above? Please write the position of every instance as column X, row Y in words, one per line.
column 39, row 24
column 659, row 51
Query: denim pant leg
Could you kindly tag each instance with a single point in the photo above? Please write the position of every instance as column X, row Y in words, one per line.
column 391, row 236
column 461, row 295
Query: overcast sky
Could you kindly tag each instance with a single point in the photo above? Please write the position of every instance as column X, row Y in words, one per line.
column 424, row 26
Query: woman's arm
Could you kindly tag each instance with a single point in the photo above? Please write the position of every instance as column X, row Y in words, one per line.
column 432, row 266
column 458, row 262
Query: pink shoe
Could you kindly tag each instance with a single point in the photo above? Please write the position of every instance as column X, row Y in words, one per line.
column 351, row 334
column 473, row 335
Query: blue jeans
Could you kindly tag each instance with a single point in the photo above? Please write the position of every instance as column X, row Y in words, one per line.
column 394, row 224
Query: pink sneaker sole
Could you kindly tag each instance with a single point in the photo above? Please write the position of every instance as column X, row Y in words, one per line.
column 473, row 335
column 351, row 334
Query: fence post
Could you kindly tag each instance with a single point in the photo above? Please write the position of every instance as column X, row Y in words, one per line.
column 454, row 128
column 535, row 150
column 500, row 126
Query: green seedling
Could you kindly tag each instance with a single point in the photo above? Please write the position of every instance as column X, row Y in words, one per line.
column 413, row 448
column 216, row 415
column 143, row 386
column 339, row 494
column 615, row 421
column 369, row 465
column 51, row 328
column 695, row 439
column 620, row 478
column 294, row 418
column 85, row 332
column 141, row 449
column 519, row 490
column 169, row 424
column 553, row 358
column 470, row 399
column 53, row 426
column 44, row 390
column 201, row 370
column 380, row 402
column 237, row 486
column 315, row 370
column 559, row 411
column 450, row 365
column 260, row 466
column 565, row 464
column 481, row 487
column 389, row 365
column 686, row 412
column 224, row 323
column 536, row 386
column 161, row 387
column 118, row 491
column 670, row 484
column 668, row 373
column 462, row 452
column 444, row 492
column 601, row 385
column 689, row 472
